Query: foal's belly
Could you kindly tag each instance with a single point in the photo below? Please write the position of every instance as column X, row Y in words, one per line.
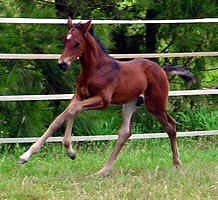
column 132, row 83
column 121, row 97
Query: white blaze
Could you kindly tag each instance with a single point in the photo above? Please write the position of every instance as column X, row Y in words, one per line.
column 69, row 36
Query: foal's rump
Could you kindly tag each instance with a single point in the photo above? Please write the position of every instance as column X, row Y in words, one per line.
column 156, row 94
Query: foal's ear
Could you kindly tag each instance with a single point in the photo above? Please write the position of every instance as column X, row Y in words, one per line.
column 69, row 23
column 86, row 27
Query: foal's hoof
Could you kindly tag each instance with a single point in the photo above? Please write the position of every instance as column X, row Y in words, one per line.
column 21, row 161
column 72, row 155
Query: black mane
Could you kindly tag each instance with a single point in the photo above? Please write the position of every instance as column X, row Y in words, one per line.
column 91, row 31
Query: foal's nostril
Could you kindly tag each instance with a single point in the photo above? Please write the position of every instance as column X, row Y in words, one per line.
column 63, row 66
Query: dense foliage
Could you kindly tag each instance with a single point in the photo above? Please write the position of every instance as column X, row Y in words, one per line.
column 43, row 76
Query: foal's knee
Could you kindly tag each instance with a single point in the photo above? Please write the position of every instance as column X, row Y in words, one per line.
column 72, row 111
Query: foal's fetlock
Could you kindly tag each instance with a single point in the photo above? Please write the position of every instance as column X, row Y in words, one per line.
column 72, row 155
column 70, row 152
column 25, row 156
column 177, row 163
column 103, row 172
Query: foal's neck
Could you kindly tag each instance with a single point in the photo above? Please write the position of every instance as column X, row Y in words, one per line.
column 93, row 56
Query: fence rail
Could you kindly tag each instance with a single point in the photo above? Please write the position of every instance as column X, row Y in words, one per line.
column 64, row 21
column 70, row 96
column 108, row 137
column 118, row 56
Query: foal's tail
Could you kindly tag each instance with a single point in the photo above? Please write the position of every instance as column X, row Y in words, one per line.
column 184, row 73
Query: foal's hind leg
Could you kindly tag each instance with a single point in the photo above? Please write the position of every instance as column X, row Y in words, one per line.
column 168, row 123
column 172, row 135
column 124, row 133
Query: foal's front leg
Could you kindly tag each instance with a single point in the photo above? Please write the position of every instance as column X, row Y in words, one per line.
column 67, row 139
column 74, row 108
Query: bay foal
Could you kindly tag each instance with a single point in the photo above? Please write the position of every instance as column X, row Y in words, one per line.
column 104, row 80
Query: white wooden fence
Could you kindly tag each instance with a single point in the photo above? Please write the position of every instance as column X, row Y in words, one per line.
column 108, row 137
column 64, row 21
column 69, row 96
column 118, row 56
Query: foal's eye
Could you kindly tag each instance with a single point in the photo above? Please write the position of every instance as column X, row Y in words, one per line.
column 76, row 45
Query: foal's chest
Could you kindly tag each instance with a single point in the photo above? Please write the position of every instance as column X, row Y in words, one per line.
column 98, row 81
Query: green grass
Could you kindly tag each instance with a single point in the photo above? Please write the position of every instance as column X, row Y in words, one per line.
column 143, row 171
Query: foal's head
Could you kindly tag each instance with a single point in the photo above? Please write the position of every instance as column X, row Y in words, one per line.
column 74, row 43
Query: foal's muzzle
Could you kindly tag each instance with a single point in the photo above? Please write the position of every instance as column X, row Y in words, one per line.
column 63, row 66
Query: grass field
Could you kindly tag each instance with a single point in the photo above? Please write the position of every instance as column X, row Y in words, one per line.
column 143, row 171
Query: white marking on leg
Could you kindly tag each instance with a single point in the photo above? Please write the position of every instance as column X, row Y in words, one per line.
column 124, row 134
column 53, row 126
column 38, row 144
column 25, row 157
column 74, row 108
